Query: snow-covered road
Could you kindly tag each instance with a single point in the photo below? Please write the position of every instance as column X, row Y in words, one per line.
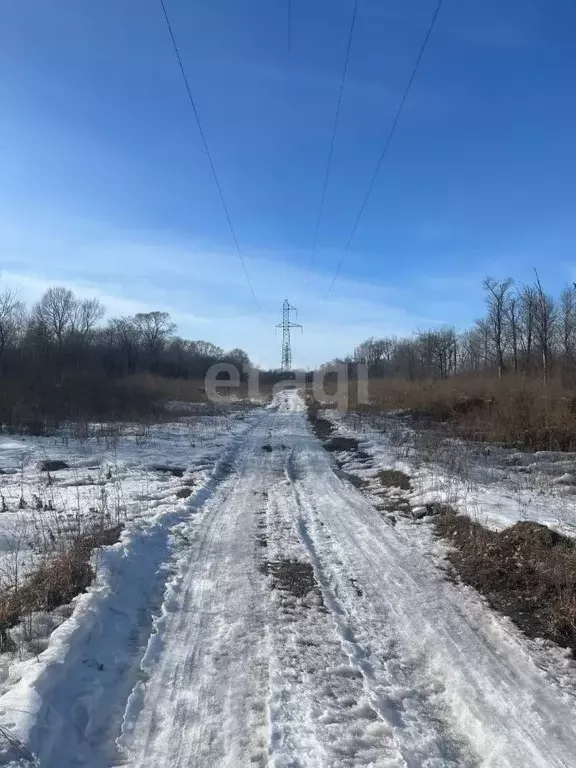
column 381, row 663
column 298, row 628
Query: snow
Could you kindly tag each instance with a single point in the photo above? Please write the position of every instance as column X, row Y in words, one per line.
column 191, row 650
column 111, row 475
column 496, row 486
column 67, row 696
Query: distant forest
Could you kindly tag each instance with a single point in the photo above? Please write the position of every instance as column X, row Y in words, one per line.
column 525, row 331
column 60, row 359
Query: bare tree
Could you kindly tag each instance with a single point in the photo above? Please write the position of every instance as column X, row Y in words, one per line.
column 545, row 323
column 528, row 308
column 127, row 336
column 155, row 329
column 497, row 300
column 405, row 358
column 437, row 352
column 56, row 311
column 512, row 312
column 87, row 315
column 206, row 349
column 568, row 327
column 11, row 320
column 375, row 352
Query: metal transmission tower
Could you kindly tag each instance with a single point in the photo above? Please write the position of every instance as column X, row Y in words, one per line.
column 286, row 325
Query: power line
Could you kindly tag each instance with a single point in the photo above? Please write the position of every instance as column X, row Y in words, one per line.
column 333, row 138
column 209, row 156
column 386, row 145
column 288, row 84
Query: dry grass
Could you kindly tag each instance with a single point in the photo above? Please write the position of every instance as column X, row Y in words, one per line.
column 527, row 572
column 512, row 410
column 183, row 390
column 394, row 478
column 189, row 390
column 55, row 581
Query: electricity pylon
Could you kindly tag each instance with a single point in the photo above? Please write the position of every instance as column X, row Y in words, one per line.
column 286, row 325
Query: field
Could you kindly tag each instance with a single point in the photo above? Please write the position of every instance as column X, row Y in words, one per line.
column 286, row 582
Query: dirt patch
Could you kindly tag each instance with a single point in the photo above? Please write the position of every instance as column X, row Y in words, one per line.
column 183, row 493
column 53, row 465
column 341, row 444
column 357, row 482
column 322, row 427
column 174, row 471
column 394, row 478
column 292, row 576
column 527, row 572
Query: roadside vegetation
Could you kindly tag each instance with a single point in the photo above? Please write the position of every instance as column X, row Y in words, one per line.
column 62, row 571
column 510, row 378
column 526, row 572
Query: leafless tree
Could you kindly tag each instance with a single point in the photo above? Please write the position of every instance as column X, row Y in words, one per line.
column 127, row 336
column 206, row 349
column 545, row 324
column 87, row 315
column 155, row 329
column 512, row 312
column 11, row 320
column 528, row 308
column 568, row 327
column 56, row 311
column 497, row 302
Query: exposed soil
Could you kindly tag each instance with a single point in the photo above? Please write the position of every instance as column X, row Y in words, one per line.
column 341, row 444
column 292, row 576
column 322, row 427
column 527, row 572
column 174, row 471
column 53, row 465
column 357, row 482
column 394, row 478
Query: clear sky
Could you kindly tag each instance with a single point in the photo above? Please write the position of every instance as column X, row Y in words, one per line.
column 106, row 188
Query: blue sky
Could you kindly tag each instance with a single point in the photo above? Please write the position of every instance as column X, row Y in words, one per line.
column 106, row 187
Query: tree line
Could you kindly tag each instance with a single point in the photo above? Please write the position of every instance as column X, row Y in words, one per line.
column 60, row 356
column 524, row 331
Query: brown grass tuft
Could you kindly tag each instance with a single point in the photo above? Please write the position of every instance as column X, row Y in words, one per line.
column 527, row 572
column 394, row 478
column 56, row 580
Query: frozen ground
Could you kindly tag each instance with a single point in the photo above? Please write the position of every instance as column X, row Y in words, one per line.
column 118, row 474
column 495, row 485
column 275, row 618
